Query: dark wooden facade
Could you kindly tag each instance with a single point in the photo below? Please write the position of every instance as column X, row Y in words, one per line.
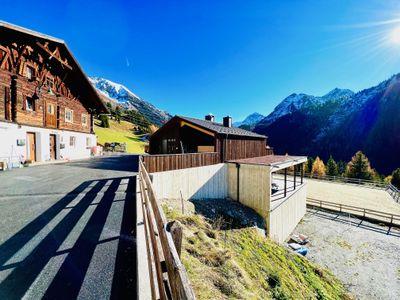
column 41, row 84
column 168, row 162
column 180, row 136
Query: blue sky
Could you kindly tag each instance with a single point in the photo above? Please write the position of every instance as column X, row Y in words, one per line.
column 223, row 57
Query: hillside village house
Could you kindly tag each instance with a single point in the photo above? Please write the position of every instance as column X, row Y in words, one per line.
column 202, row 159
column 190, row 135
column 46, row 101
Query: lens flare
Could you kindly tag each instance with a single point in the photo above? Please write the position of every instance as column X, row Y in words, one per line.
column 395, row 36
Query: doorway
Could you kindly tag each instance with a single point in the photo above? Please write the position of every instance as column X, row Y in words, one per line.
column 31, row 146
column 53, row 149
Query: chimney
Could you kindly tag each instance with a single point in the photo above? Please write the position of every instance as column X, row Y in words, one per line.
column 210, row 117
column 227, row 121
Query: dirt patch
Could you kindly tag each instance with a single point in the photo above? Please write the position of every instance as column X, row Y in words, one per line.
column 365, row 256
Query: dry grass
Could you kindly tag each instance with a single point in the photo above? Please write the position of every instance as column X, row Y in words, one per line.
column 242, row 264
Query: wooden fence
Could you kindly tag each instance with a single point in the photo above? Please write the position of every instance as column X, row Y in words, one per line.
column 388, row 218
column 168, row 277
column 168, row 162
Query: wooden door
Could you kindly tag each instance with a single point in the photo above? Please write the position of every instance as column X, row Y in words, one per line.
column 31, row 146
column 52, row 146
column 50, row 115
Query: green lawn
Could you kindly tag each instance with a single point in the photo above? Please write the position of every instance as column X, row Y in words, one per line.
column 120, row 133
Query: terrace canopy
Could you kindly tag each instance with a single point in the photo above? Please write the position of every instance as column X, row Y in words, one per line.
column 273, row 186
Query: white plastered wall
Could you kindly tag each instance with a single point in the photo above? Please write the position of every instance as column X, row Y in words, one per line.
column 11, row 152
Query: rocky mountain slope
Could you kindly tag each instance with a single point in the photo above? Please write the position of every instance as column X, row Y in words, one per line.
column 250, row 120
column 339, row 124
column 118, row 93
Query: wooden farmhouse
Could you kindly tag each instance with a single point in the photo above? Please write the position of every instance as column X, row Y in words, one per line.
column 46, row 101
column 182, row 135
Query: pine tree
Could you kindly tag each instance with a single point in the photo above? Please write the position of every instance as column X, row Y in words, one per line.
column 318, row 168
column 396, row 178
column 331, row 167
column 117, row 114
column 104, row 121
column 341, row 166
column 359, row 167
column 310, row 162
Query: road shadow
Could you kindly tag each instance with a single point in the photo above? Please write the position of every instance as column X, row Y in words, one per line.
column 68, row 279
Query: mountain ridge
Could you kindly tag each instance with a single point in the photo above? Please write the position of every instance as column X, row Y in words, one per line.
column 339, row 123
column 120, row 94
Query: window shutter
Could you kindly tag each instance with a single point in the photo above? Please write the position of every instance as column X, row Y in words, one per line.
column 24, row 103
column 7, row 103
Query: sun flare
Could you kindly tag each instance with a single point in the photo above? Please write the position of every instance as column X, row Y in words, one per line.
column 395, row 36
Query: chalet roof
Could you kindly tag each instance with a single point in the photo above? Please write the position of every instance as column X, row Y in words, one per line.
column 221, row 129
column 271, row 160
column 92, row 95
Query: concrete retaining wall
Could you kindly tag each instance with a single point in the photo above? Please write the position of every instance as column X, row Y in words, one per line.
column 208, row 182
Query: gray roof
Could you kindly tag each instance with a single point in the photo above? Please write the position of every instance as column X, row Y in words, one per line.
column 221, row 129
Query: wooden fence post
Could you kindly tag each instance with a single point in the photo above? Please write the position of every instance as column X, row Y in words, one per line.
column 175, row 228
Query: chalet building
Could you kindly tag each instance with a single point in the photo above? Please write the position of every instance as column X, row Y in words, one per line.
column 189, row 135
column 46, row 101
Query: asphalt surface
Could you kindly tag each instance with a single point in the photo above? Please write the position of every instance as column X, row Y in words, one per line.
column 68, row 230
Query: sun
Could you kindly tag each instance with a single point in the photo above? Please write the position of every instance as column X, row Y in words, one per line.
column 395, row 36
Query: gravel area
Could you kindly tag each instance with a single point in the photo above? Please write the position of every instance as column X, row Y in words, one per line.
column 365, row 256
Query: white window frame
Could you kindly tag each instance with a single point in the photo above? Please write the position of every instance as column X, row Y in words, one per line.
column 29, row 107
column 71, row 120
column 86, row 119
column 72, row 141
column 31, row 74
column 88, row 142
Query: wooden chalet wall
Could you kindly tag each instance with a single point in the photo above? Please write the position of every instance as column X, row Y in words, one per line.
column 48, row 61
column 241, row 147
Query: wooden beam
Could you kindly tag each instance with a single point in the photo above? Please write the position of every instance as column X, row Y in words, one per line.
column 52, row 54
column 183, row 123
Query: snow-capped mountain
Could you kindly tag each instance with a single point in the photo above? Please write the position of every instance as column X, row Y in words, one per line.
column 301, row 101
column 339, row 124
column 120, row 94
column 251, row 120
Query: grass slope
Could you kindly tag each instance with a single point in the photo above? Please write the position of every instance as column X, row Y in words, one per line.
column 242, row 264
column 121, row 133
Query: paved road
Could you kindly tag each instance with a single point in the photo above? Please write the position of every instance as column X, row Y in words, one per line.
column 68, row 230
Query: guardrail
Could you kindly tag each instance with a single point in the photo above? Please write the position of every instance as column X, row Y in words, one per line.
column 168, row 277
column 391, row 189
column 388, row 218
column 167, row 162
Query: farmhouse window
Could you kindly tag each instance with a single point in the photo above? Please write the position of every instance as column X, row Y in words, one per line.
column 50, row 109
column 69, row 115
column 49, row 82
column 30, row 73
column 72, row 141
column 84, row 119
column 29, row 104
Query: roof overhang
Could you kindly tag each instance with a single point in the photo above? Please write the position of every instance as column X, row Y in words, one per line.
column 275, row 162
